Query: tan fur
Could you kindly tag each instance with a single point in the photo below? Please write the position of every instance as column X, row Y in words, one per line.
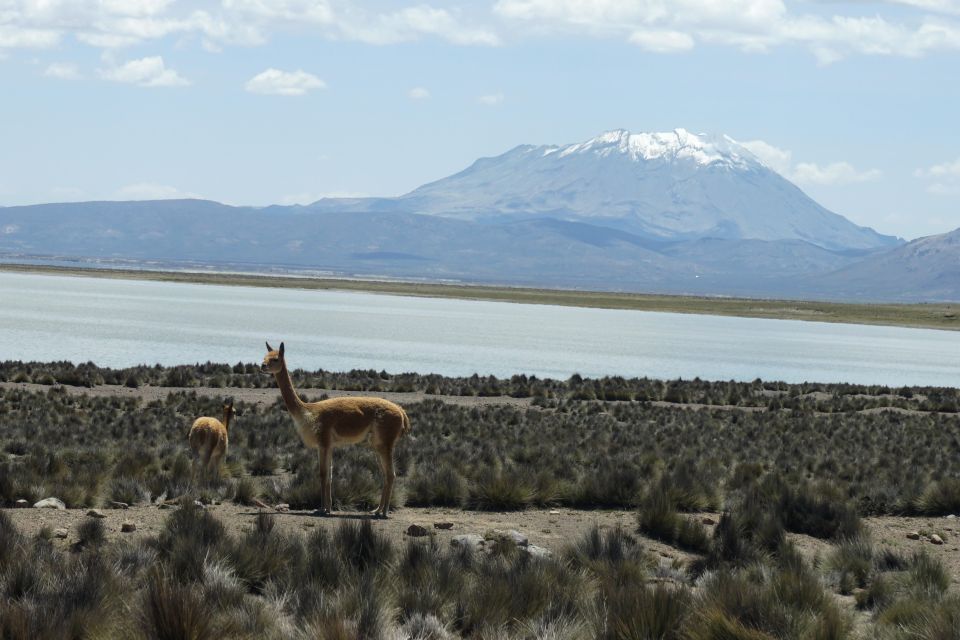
column 340, row 421
column 209, row 439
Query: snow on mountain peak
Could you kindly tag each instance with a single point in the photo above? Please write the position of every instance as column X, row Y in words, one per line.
column 679, row 144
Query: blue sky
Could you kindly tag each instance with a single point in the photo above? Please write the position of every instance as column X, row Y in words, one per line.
column 259, row 102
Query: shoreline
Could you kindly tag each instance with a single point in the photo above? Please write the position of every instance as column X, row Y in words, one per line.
column 941, row 316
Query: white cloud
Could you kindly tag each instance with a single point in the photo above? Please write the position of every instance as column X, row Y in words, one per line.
column 946, row 176
column 63, row 71
column 284, row 83
column 750, row 25
column 121, row 23
column 418, row 93
column 662, row 41
column 944, row 188
column 492, row 99
column 889, row 27
column 946, row 169
column 349, row 20
column 151, row 191
column 777, row 159
column 144, row 72
column 938, row 6
column 15, row 37
column 835, row 173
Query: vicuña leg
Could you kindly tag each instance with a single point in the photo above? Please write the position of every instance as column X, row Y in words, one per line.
column 385, row 456
column 326, row 480
column 213, row 468
column 206, row 456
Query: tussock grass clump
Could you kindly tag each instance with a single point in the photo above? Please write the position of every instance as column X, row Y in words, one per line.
column 362, row 546
column 819, row 513
column 854, row 557
column 46, row 594
column 760, row 602
column 436, row 487
column 430, row 583
column 939, row 499
column 659, row 519
column 500, row 492
column 92, row 532
column 174, row 611
column 647, row 612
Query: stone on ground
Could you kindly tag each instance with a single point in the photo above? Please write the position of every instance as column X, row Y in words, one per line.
column 50, row 503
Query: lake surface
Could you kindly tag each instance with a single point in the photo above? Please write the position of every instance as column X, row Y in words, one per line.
column 120, row 323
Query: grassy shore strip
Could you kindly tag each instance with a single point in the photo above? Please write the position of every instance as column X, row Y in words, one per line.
column 930, row 316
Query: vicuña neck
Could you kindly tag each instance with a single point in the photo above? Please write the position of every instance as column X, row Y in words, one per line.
column 287, row 392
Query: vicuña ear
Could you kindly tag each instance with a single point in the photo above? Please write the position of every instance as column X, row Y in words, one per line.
column 281, row 349
column 269, row 348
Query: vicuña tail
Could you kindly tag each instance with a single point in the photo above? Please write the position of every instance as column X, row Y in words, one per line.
column 406, row 422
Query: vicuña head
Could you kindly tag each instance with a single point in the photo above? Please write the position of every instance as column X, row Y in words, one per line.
column 338, row 421
column 273, row 361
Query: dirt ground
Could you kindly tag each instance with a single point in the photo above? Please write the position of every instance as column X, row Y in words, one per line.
column 552, row 529
column 263, row 397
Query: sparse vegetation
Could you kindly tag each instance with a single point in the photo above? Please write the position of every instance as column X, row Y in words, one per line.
column 814, row 467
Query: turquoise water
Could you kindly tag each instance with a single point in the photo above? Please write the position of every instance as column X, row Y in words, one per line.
column 120, row 323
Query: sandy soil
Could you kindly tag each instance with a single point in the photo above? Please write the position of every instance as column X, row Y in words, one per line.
column 264, row 397
column 551, row 529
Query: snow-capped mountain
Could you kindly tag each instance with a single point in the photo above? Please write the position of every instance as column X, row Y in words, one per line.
column 672, row 212
column 667, row 186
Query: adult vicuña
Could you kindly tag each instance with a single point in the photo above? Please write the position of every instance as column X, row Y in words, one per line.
column 208, row 439
column 338, row 421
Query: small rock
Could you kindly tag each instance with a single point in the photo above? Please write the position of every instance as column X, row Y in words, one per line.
column 538, row 552
column 128, row 527
column 96, row 513
column 21, row 504
column 554, row 512
column 914, row 535
column 467, row 541
column 60, row 533
column 416, row 531
column 951, row 517
column 199, row 504
column 119, row 505
column 935, row 539
column 443, row 525
column 283, row 507
column 709, row 521
column 50, row 503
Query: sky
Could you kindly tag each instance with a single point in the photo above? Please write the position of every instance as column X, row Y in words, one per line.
column 259, row 102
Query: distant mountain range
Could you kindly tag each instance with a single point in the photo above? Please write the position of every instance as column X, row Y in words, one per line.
column 661, row 212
